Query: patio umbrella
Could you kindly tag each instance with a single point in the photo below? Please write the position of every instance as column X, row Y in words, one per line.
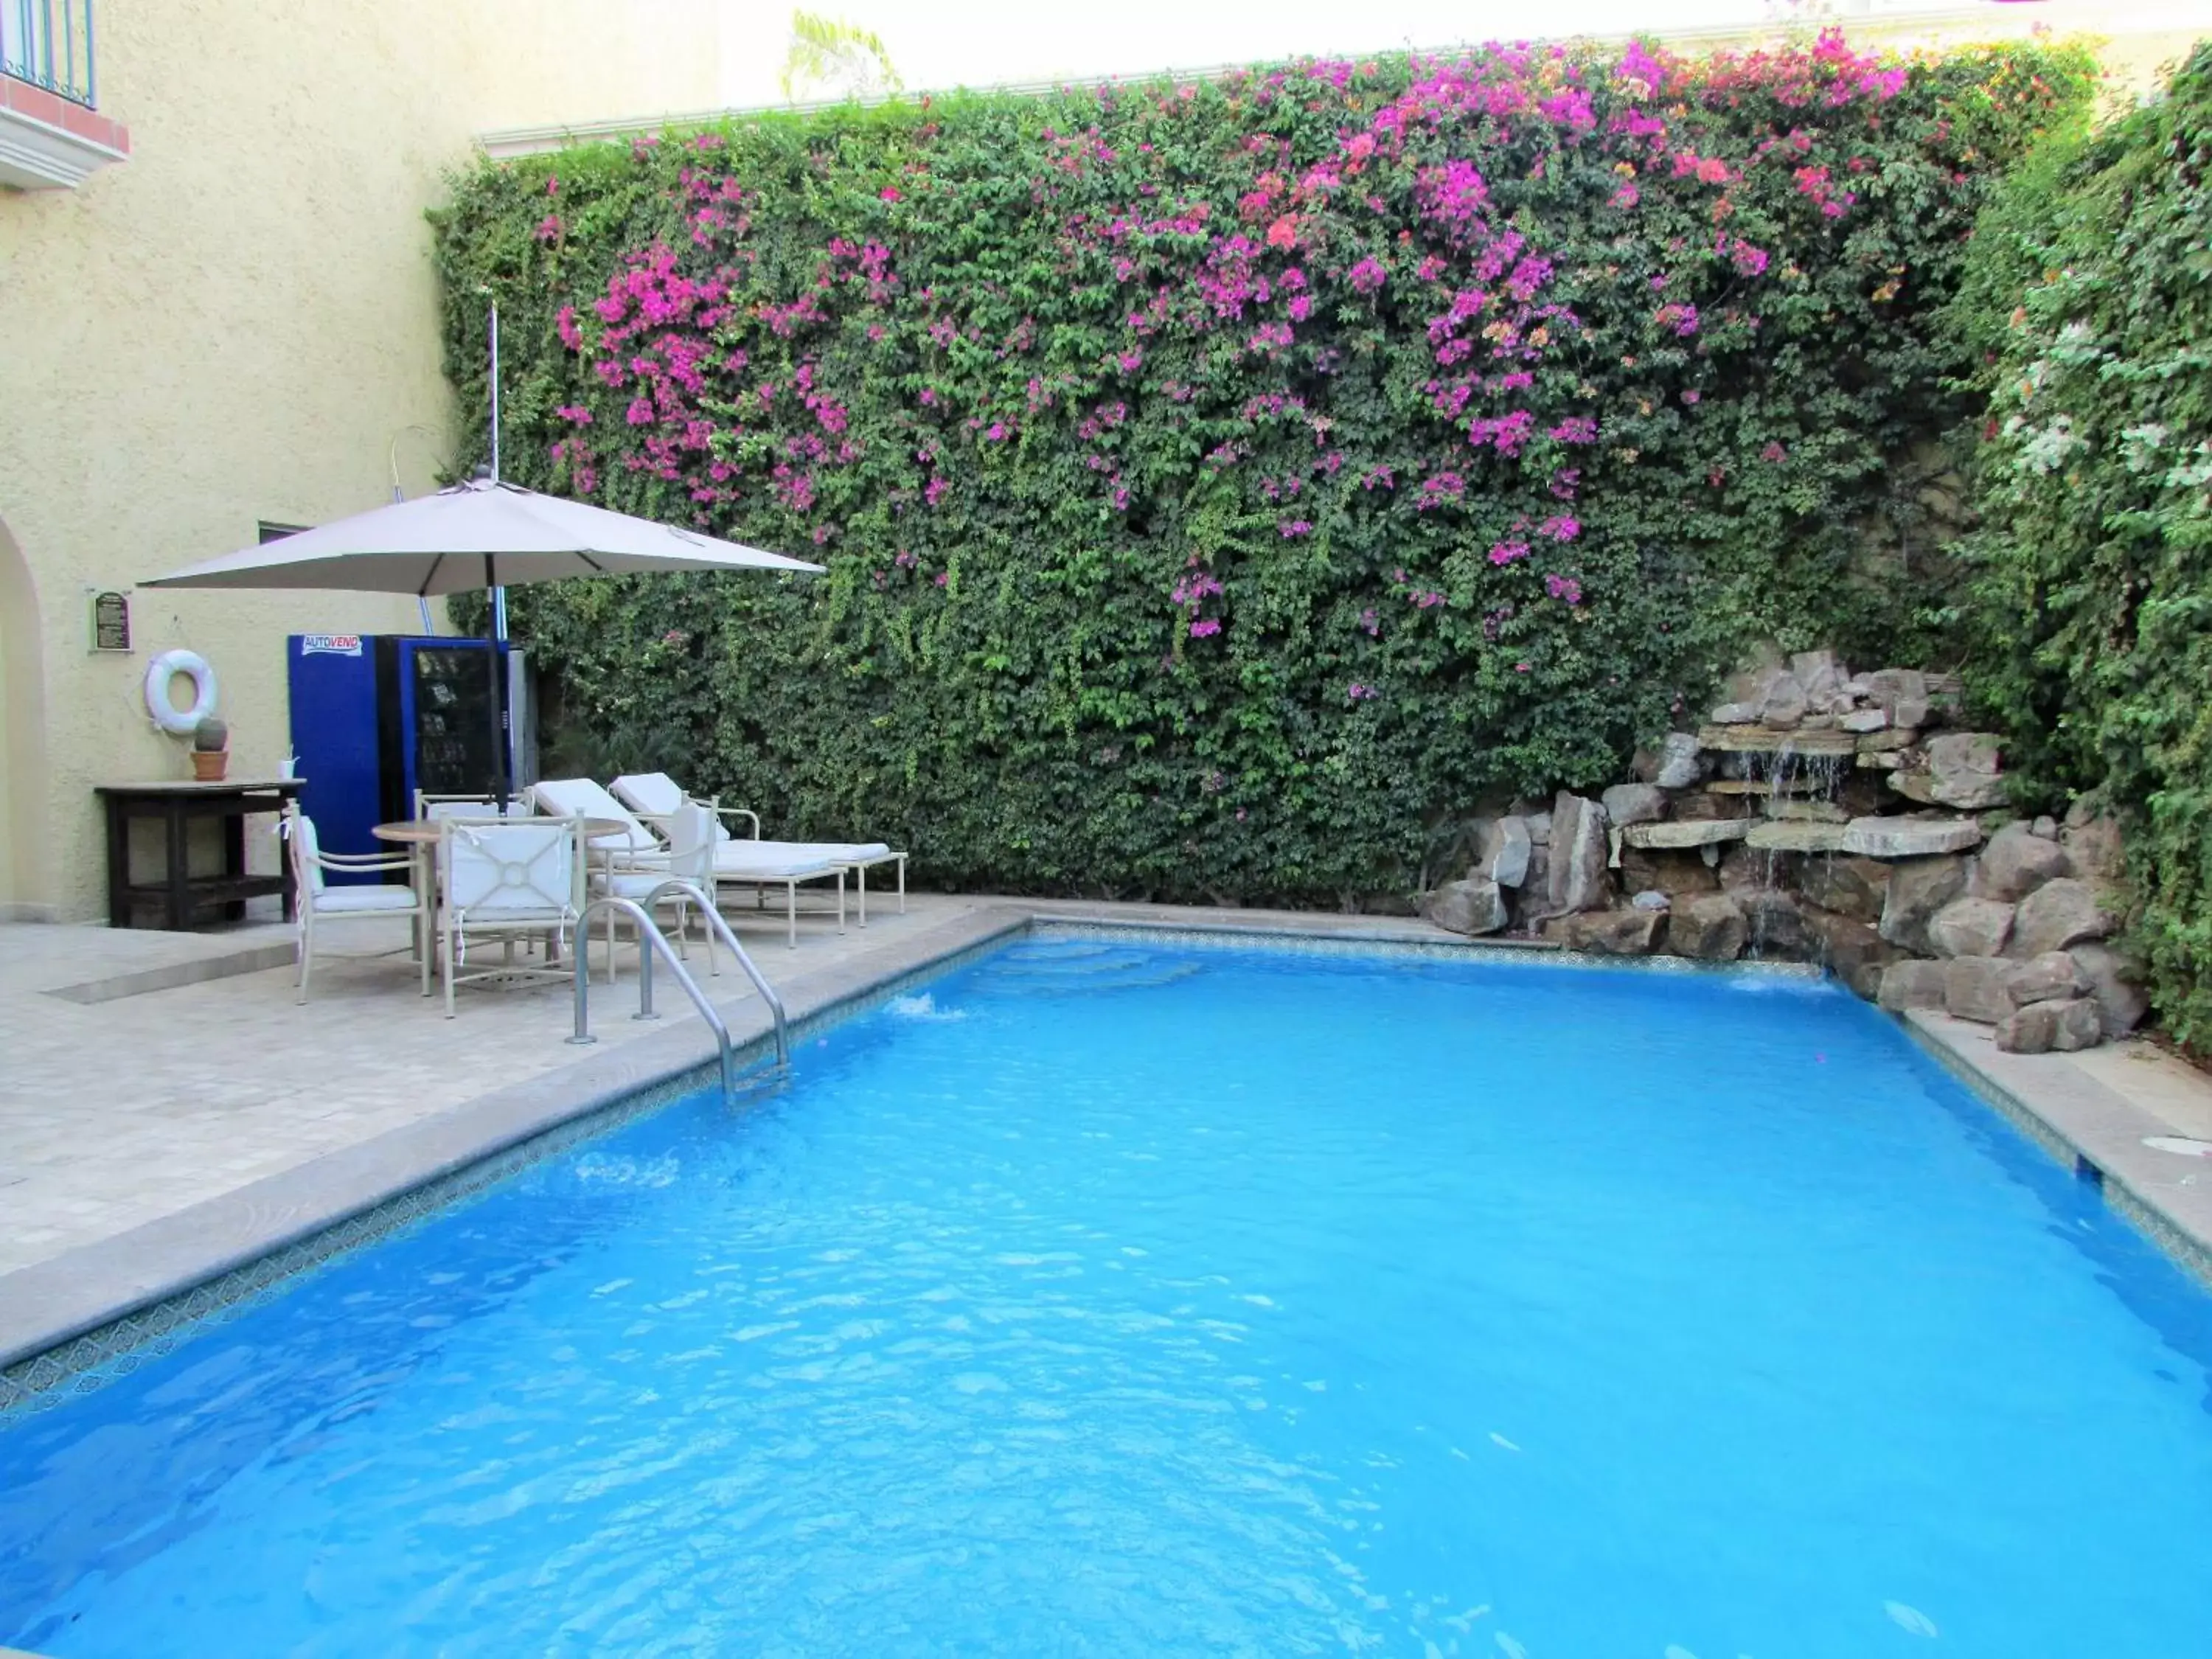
column 477, row 534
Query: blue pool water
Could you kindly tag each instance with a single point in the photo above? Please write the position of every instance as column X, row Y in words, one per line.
column 1113, row 1300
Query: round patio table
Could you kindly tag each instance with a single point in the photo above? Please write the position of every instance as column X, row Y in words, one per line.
column 423, row 832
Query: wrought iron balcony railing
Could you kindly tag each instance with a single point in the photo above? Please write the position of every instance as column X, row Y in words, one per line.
column 48, row 43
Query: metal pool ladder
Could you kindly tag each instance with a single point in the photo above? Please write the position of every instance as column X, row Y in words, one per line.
column 653, row 942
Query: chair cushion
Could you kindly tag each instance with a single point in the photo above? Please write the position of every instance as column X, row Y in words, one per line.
column 837, row 852
column 332, row 901
column 624, row 883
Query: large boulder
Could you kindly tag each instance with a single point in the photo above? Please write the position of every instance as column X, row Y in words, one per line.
column 2016, row 863
column 1819, row 674
column 1634, row 803
column 2051, row 977
column 1969, row 927
column 1577, row 879
column 1707, row 928
column 1852, row 951
column 1900, row 693
column 1503, row 851
column 1474, row 906
column 1912, row 985
column 2059, row 914
column 1679, row 763
column 2042, row 1027
column 1962, row 772
column 1978, row 987
column 2114, row 981
column 2091, row 838
column 1918, row 890
column 1784, row 704
column 1854, row 887
column 1630, row 932
column 1909, row 838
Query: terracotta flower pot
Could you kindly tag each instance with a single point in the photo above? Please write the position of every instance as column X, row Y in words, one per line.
column 207, row 767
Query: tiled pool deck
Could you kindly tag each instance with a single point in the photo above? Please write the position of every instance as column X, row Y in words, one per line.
column 168, row 1114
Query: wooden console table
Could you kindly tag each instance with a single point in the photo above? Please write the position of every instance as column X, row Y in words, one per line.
column 184, row 901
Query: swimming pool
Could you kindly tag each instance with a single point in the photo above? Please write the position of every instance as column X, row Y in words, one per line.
column 1116, row 1298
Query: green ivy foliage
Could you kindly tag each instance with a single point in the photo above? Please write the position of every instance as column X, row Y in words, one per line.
column 1224, row 487
column 2088, row 300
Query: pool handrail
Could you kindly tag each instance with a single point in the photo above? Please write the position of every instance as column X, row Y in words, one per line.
column 698, row 895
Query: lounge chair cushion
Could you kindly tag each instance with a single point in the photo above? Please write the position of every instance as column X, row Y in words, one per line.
column 743, row 861
column 837, row 852
column 569, row 798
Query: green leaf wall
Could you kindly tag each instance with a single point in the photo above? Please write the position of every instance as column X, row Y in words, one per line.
column 1226, row 487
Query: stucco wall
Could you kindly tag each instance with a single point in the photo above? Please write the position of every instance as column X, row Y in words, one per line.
column 240, row 324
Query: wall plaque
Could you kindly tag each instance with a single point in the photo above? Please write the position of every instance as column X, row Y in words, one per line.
column 111, row 622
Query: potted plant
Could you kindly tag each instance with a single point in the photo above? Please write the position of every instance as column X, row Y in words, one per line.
column 210, row 751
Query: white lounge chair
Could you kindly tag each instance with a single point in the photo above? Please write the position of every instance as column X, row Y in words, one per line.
column 638, row 848
column 506, row 878
column 317, row 901
column 659, row 794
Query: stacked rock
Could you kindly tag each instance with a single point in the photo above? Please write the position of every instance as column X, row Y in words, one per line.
column 1776, row 830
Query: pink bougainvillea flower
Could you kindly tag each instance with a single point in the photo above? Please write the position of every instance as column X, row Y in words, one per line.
column 889, row 193
column 1505, row 553
column 1203, row 627
column 1295, row 527
column 1520, row 667
column 1562, row 528
column 1575, row 429
column 1773, row 452
column 1284, row 232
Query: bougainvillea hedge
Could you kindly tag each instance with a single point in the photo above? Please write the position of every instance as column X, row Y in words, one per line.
column 1224, row 486
column 2089, row 296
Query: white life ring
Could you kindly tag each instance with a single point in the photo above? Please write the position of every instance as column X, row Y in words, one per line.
column 180, row 722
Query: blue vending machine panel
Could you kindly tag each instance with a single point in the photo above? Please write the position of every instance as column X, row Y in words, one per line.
column 333, row 685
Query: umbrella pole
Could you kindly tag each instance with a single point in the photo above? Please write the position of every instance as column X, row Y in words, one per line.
column 499, row 752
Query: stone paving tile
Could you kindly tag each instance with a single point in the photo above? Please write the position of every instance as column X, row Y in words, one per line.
column 115, row 1113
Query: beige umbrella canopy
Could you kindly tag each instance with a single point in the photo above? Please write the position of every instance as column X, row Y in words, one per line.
column 478, row 534
column 469, row 535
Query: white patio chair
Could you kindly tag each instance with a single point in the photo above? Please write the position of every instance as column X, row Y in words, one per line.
column 656, row 793
column 688, row 855
column 317, row 901
column 506, row 879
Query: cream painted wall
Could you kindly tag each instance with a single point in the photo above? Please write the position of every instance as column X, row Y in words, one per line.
column 240, row 323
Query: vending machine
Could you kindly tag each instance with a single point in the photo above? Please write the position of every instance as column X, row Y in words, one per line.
column 376, row 717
